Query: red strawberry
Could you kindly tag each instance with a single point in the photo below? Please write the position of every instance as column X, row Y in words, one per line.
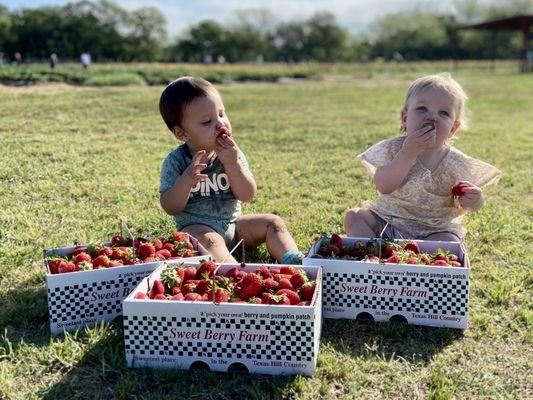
column 163, row 254
column 412, row 246
column 65, row 267
column 180, row 236
column 53, row 264
column 117, row 239
column 251, row 286
column 189, row 287
column 169, row 247
column 150, row 259
column 146, row 250
column 412, row 260
column 264, row 297
column 424, row 259
column 332, row 251
column 222, row 130
column 453, row 257
column 275, row 271
column 101, row 261
column 440, row 263
column 271, row 285
column 394, row 259
column 237, row 300
column 160, row 296
column 293, row 296
column 192, row 296
column 458, row 190
column 208, row 267
column 284, row 283
column 287, row 270
column 178, row 297
column 298, row 279
column 263, row 272
column 158, row 287
column 456, row 264
column 115, row 263
column 158, row 244
column 221, row 295
column 336, row 240
column 80, row 257
column 105, row 251
column 77, row 250
column 203, row 286
column 189, row 273
column 307, row 290
column 303, row 303
column 141, row 296
column 281, row 300
column 255, row 300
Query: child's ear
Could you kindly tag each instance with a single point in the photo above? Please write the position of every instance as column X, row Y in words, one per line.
column 456, row 125
column 179, row 133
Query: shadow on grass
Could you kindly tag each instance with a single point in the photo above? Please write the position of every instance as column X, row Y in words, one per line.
column 102, row 373
column 386, row 340
column 24, row 316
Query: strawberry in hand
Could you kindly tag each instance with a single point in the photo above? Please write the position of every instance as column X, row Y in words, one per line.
column 470, row 197
column 226, row 149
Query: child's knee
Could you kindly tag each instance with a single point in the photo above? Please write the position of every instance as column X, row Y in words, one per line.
column 275, row 223
column 210, row 239
column 353, row 216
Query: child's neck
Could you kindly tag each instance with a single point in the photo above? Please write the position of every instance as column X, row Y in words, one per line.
column 432, row 158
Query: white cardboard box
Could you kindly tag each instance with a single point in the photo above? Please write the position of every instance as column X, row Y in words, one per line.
column 423, row 295
column 82, row 298
column 258, row 338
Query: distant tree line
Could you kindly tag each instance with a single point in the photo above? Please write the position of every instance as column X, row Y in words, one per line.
column 110, row 33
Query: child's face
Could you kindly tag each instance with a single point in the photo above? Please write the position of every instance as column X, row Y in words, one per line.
column 202, row 119
column 432, row 105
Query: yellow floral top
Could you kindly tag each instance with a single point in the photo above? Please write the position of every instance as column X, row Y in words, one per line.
column 424, row 203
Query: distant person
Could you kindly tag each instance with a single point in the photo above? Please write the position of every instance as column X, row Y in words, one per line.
column 206, row 178
column 53, row 60
column 85, row 59
column 424, row 184
column 18, row 58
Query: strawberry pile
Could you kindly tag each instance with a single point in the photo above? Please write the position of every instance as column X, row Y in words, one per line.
column 392, row 252
column 285, row 285
column 120, row 252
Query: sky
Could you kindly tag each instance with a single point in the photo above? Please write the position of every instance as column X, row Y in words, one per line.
column 354, row 15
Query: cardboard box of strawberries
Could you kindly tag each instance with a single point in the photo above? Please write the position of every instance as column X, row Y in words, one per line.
column 421, row 282
column 86, row 284
column 258, row 318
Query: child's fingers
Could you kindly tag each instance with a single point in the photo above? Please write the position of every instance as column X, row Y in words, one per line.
column 199, row 167
column 200, row 177
column 197, row 156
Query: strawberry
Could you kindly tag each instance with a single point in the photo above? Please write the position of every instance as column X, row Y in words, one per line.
column 105, row 251
column 53, row 264
column 151, row 259
column 177, row 297
column 307, row 290
column 264, row 297
column 275, row 271
column 336, row 240
column 332, row 251
column 141, row 296
column 293, row 296
column 413, row 260
column 65, row 267
column 284, row 283
column 189, row 273
column 206, row 266
column 287, row 270
column 170, row 277
column 203, row 286
column 303, row 303
column 80, row 257
column 160, row 296
column 169, row 246
column 263, row 272
column 458, row 190
column 189, row 287
column 158, row 287
column 412, row 246
column 281, row 300
column 453, row 257
column 101, row 261
column 158, row 244
column 163, row 254
column 117, row 239
column 146, row 250
column 394, row 259
column 192, row 297
column 78, row 250
column 271, row 285
column 255, row 300
column 441, row 255
column 251, row 286
column 440, row 263
column 424, row 259
column 237, row 300
column 223, row 131
column 456, row 264
column 221, row 295
column 298, row 279
column 180, row 236
column 359, row 250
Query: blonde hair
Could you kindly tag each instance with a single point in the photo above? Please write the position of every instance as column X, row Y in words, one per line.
column 442, row 81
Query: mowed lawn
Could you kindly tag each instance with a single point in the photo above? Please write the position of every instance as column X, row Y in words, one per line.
column 76, row 160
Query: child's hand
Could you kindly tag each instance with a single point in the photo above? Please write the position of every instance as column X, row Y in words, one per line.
column 419, row 141
column 472, row 197
column 227, row 150
column 192, row 173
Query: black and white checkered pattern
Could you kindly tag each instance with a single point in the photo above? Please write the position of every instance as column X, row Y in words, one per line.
column 74, row 302
column 445, row 296
column 288, row 340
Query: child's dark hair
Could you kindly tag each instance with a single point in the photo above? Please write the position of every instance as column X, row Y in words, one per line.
column 178, row 94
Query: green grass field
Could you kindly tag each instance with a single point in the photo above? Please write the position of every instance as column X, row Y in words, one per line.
column 74, row 160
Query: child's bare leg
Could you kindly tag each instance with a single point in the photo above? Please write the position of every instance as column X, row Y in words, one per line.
column 443, row 237
column 359, row 222
column 212, row 241
column 260, row 228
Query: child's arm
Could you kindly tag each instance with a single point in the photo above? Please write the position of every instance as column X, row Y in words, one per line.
column 390, row 177
column 175, row 199
column 242, row 184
